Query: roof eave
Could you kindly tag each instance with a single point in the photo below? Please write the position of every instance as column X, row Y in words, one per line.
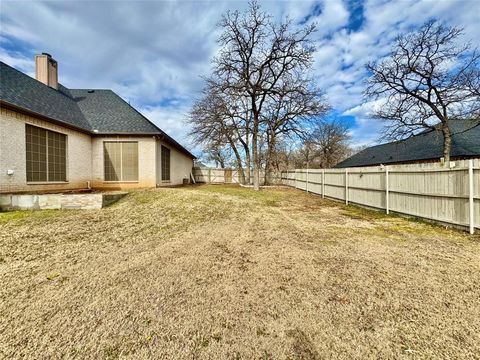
column 29, row 112
column 169, row 139
column 94, row 133
column 160, row 135
column 411, row 161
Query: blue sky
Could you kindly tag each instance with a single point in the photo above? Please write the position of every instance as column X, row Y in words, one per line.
column 154, row 53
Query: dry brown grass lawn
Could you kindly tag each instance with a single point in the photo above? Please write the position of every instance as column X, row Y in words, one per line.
column 217, row 272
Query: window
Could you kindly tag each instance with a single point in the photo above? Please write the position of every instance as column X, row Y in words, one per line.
column 120, row 160
column 165, row 163
column 46, row 155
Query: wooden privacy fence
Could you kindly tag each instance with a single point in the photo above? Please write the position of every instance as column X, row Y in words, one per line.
column 216, row 175
column 429, row 190
column 226, row 176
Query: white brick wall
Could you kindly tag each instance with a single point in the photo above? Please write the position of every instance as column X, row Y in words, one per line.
column 13, row 154
column 180, row 166
column 84, row 158
column 146, row 162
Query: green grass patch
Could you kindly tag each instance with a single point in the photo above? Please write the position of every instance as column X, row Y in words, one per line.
column 361, row 213
column 30, row 214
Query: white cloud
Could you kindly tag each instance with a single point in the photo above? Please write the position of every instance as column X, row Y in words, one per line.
column 367, row 132
column 153, row 53
column 170, row 119
column 18, row 61
column 365, row 109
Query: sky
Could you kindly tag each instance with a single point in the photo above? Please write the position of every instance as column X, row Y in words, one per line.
column 154, row 53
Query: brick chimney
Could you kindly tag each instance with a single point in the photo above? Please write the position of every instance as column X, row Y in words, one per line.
column 46, row 70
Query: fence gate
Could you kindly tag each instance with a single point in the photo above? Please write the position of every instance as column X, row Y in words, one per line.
column 228, row 176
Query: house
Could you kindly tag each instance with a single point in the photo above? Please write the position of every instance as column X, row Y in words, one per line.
column 426, row 146
column 54, row 138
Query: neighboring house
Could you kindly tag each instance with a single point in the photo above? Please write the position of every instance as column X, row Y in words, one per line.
column 424, row 147
column 54, row 138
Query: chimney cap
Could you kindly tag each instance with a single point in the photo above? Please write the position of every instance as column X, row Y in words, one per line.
column 44, row 53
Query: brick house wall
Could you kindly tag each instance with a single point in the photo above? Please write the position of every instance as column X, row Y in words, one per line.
column 146, row 163
column 180, row 166
column 85, row 158
column 13, row 155
column 149, row 163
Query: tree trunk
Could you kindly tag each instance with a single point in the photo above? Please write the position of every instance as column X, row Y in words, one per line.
column 447, row 142
column 248, row 161
column 268, row 162
column 256, row 162
column 256, row 170
column 241, row 173
column 246, row 149
column 248, row 177
column 248, row 166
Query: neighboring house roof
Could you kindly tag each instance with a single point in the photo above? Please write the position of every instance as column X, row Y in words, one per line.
column 93, row 111
column 424, row 146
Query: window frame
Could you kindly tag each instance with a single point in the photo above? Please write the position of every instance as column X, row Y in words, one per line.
column 162, row 147
column 121, row 162
column 47, row 159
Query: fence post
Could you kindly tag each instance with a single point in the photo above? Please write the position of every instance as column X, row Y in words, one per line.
column 306, row 181
column 470, row 196
column 346, row 186
column 209, row 176
column 296, row 179
column 323, row 183
column 387, row 192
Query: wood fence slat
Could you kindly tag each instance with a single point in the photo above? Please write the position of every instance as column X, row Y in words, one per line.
column 435, row 191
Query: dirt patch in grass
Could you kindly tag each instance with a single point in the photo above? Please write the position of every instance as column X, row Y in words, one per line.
column 211, row 272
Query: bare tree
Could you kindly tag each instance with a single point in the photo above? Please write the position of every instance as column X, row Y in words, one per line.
column 426, row 82
column 218, row 153
column 326, row 146
column 331, row 142
column 292, row 111
column 284, row 155
column 256, row 56
column 211, row 124
column 240, row 121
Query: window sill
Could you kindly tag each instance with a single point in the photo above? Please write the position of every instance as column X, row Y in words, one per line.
column 47, row 182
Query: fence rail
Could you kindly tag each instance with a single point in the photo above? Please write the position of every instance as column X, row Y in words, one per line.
column 212, row 175
column 431, row 190
column 216, row 175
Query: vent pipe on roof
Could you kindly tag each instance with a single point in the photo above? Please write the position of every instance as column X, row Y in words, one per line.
column 46, row 70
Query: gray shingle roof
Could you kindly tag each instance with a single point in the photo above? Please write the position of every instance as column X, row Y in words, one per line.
column 109, row 113
column 21, row 90
column 89, row 110
column 424, row 146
